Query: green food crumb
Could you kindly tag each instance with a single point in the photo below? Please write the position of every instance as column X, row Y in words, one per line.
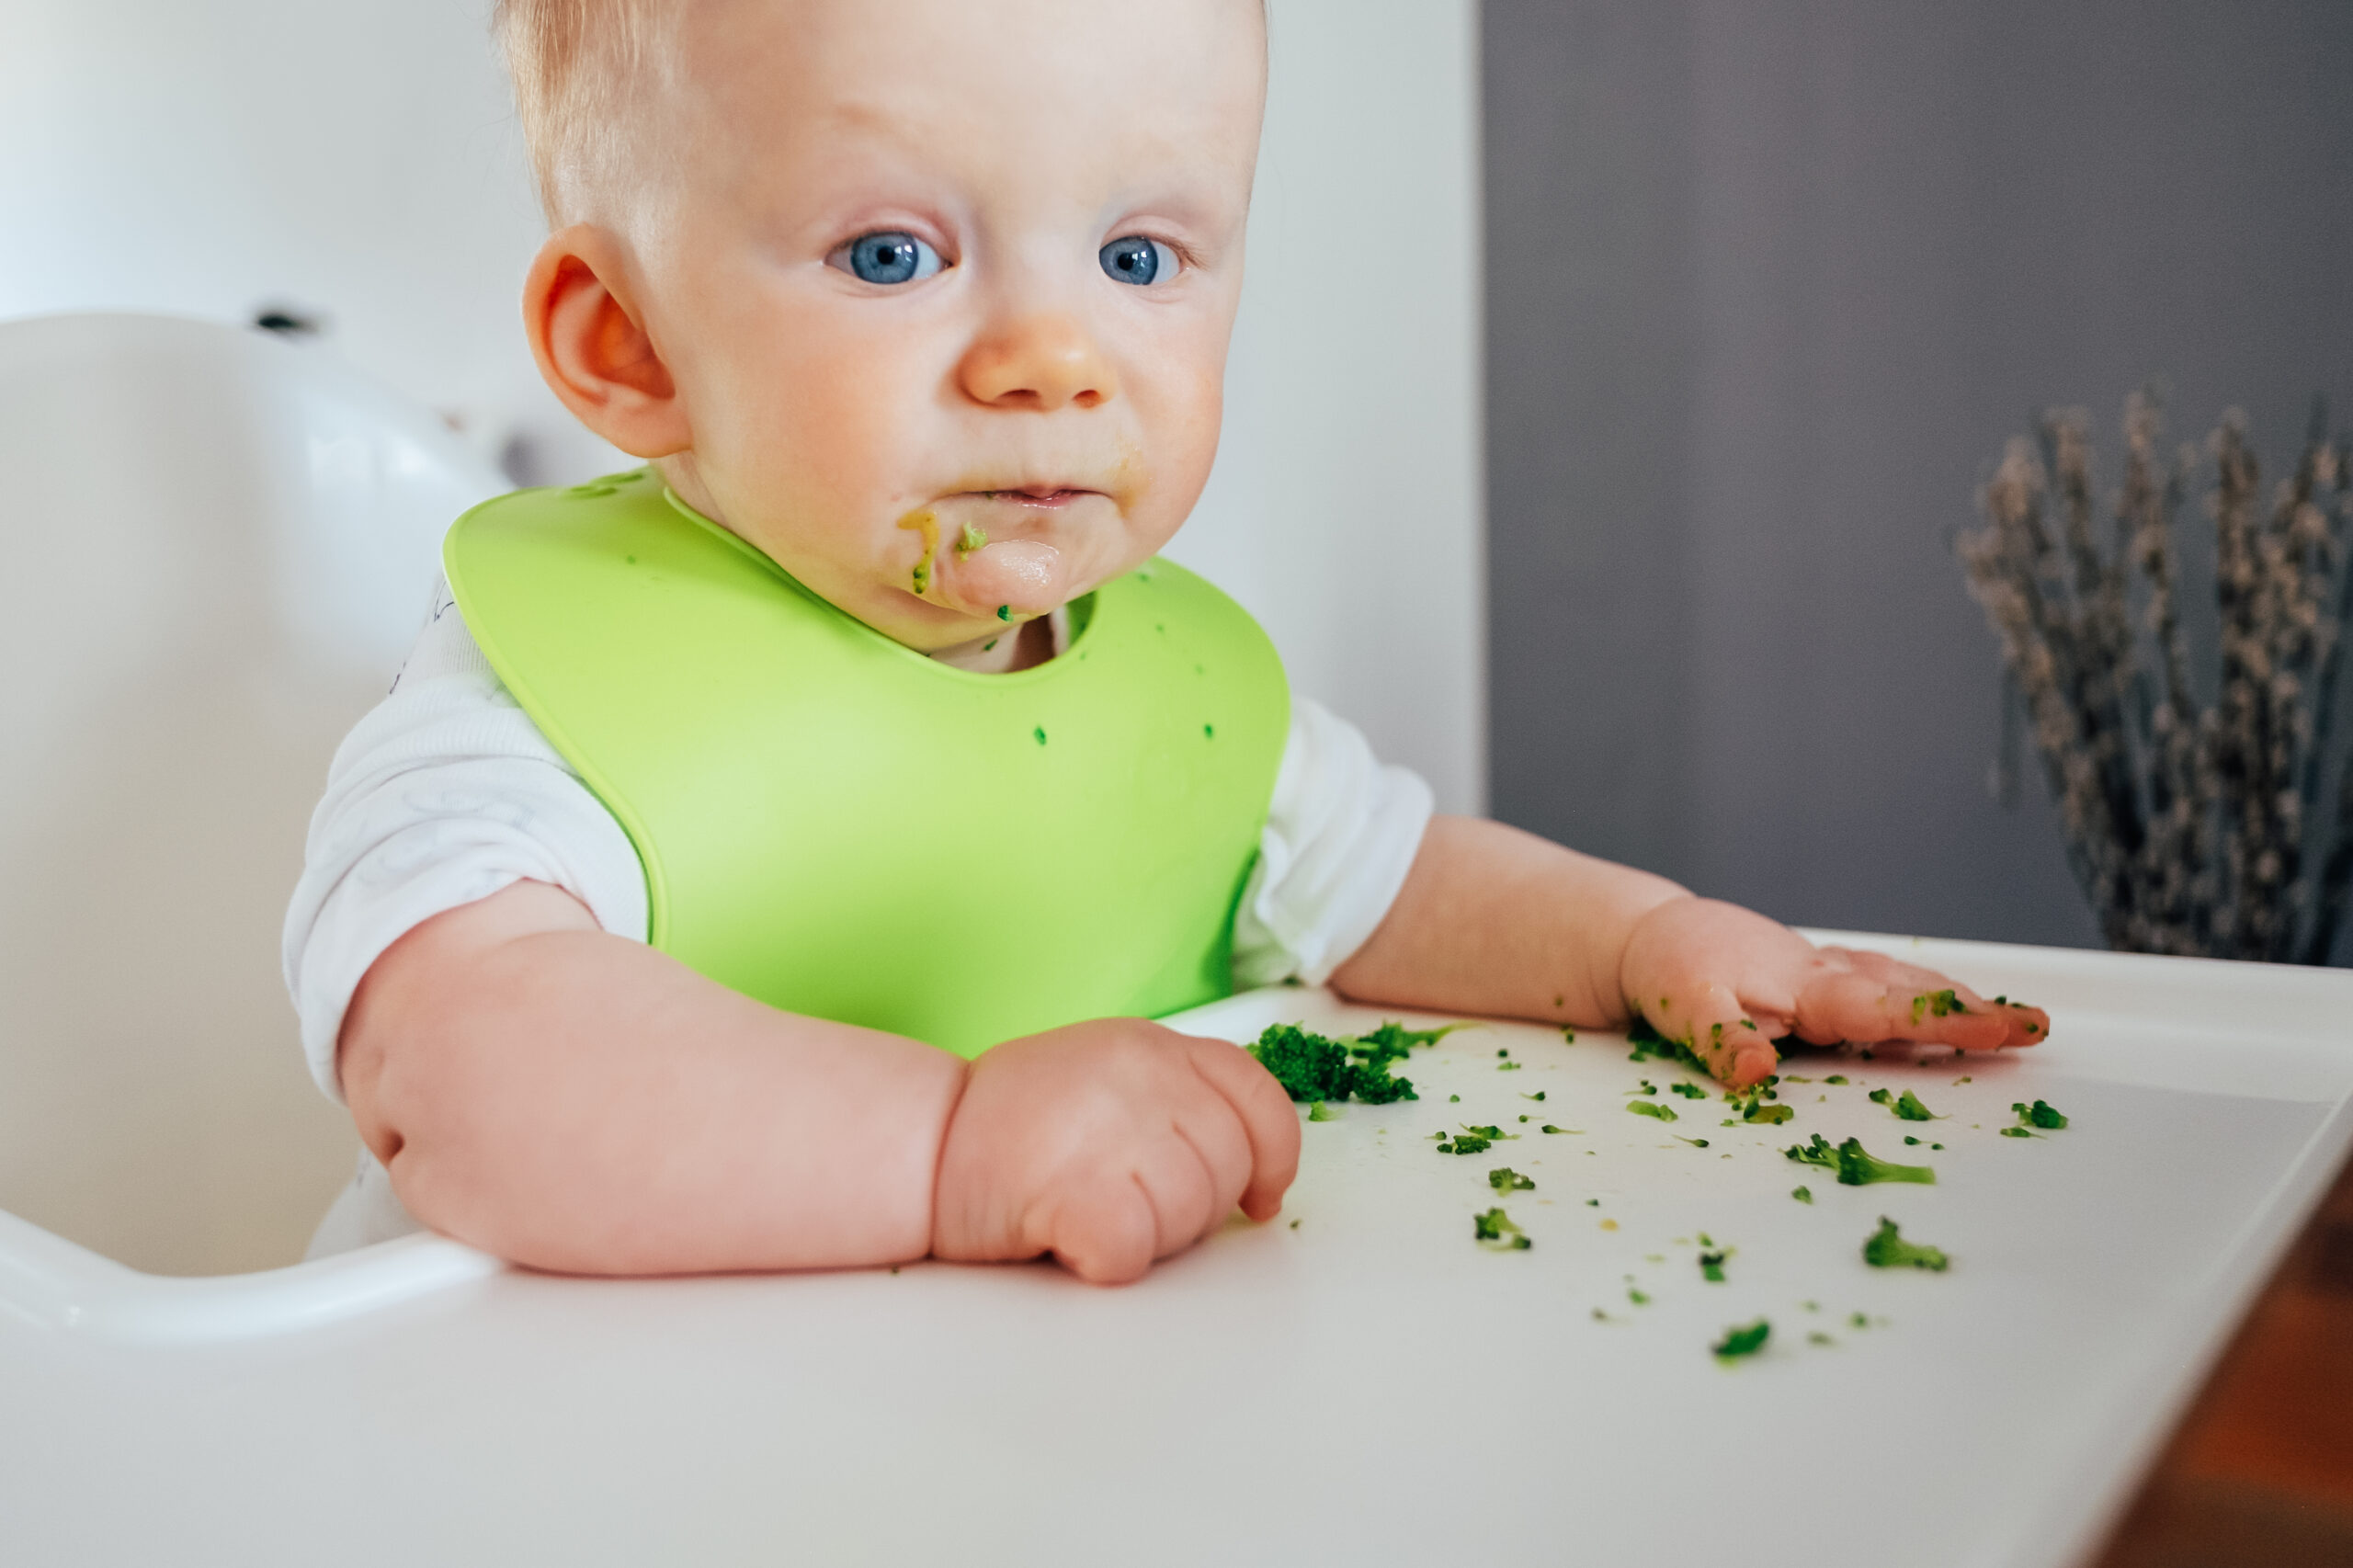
column 1454, row 1099
column 1909, row 1139
column 1647, row 1088
column 1695, row 1143
column 1656, row 1112
column 1802, row 1194
column 973, row 539
column 1507, row 1066
column 1856, row 1167
column 1568, row 1035
column 2040, row 1114
column 1548, row 1127
column 1503, row 1178
column 1319, row 1112
column 1688, row 1090
column 1040, row 732
column 1818, row 1338
column 1858, row 1320
column 1711, row 1266
column 1907, row 1107
column 2016, row 1132
column 1888, row 1249
column 1739, row 1342
column 1539, row 1095
column 1495, row 1230
column 1836, row 1078
column 1004, row 612
column 1637, row 1297
column 1940, row 1004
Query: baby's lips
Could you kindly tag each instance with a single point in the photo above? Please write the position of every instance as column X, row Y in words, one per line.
column 1024, row 576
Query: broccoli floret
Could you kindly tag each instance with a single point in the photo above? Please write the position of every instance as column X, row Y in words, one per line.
column 1738, row 1341
column 1466, row 1143
column 1688, row 1090
column 1489, row 1131
column 1908, row 1107
column 2042, row 1113
column 1503, row 1178
column 1887, row 1249
column 1856, row 1167
column 1651, row 1109
column 1308, row 1066
column 1495, row 1231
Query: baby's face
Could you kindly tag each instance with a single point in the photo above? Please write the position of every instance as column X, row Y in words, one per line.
column 940, row 270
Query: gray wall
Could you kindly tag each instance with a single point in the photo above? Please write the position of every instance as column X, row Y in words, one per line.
column 1768, row 284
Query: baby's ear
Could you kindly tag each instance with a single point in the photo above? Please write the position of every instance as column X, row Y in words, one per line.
column 591, row 342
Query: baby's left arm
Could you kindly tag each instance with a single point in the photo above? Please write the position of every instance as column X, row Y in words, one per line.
column 1499, row 922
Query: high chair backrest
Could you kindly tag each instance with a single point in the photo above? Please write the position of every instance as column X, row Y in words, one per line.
column 218, row 545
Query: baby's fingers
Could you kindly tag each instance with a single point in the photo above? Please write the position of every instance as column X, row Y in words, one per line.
column 1878, row 998
column 1267, row 1118
column 1106, row 1233
column 1735, row 1047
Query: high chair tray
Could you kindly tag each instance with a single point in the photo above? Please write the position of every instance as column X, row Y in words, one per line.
column 1360, row 1381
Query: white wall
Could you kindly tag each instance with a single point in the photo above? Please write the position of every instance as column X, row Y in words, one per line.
column 360, row 158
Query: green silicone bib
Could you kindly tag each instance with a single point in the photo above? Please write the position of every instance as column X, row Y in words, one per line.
column 837, row 825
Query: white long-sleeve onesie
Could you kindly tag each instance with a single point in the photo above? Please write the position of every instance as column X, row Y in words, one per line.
column 446, row 793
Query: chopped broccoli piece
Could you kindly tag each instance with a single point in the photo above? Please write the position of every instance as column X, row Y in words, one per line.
column 1836, row 1078
column 1466, row 1143
column 972, row 539
column 1637, row 1297
column 1774, row 1115
column 1856, row 1167
column 1548, row 1127
column 1568, row 1036
column 2016, row 1132
column 1310, row 1067
column 1738, row 1341
column 1503, row 1178
column 1908, row 1107
column 2040, row 1114
column 1688, row 1090
column 1656, row 1112
column 1539, row 1095
column 1509, row 1066
column 1495, row 1231
column 1711, row 1266
column 1909, row 1139
column 1488, row 1132
column 1647, row 1088
column 1888, row 1249
column 1319, row 1112
column 1802, row 1194
column 1695, row 1143
column 1858, row 1320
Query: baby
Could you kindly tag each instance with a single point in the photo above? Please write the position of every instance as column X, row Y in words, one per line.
column 772, row 859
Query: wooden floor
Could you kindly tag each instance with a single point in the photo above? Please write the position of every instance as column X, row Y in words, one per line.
column 2261, row 1471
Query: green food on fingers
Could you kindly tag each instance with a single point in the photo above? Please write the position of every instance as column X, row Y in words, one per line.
column 1854, row 1166
column 1739, row 1342
column 1648, row 1042
column 1888, row 1249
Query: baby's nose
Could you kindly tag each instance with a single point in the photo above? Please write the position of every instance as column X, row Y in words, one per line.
column 1042, row 361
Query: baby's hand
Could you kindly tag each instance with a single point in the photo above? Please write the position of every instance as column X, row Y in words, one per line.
column 1110, row 1144
column 1728, row 981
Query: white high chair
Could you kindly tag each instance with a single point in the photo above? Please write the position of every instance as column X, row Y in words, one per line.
column 222, row 544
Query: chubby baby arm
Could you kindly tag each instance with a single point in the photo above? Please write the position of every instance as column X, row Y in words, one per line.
column 576, row 1101
column 1497, row 921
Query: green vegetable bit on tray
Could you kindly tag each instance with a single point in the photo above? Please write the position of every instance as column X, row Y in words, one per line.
column 1495, row 1230
column 1548, row 1127
column 1739, row 1342
column 1319, row 1112
column 1855, row 1168
column 1310, row 1067
column 1503, row 1178
column 2042, row 1113
column 1908, row 1105
column 1711, row 1266
column 1888, row 1249
column 1688, row 1090
column 1652, row 1109
column 1802, row 1194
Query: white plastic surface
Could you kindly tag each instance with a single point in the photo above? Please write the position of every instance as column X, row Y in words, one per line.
column 220, row 545
column 1367, row 1385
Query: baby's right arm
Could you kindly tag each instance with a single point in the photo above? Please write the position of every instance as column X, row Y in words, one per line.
column 573, row 1100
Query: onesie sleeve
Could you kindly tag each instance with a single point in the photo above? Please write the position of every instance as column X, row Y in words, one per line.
column 445, row 793
column 1341, row 833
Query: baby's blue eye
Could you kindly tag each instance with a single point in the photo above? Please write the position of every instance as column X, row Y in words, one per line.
column 887, row 255
column 1135, row 259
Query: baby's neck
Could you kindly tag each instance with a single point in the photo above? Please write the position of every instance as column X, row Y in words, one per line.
column 1022, row 647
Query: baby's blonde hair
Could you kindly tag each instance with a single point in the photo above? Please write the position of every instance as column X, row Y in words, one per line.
column 578, row 64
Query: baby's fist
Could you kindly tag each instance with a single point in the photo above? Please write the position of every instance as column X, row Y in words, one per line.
column 1110, row 1144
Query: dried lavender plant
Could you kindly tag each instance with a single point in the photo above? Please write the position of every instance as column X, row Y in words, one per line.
column 2193, row 827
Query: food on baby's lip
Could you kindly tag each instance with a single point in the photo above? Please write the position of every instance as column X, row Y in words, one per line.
column 972, row 538
column 1503, row 1178
column 1854, row 1166
column 1004, row 612
column 1739, row 1342
column 925, row 523
column 1908, row 1105
column 1888, row 1249
column 1495, row 1232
